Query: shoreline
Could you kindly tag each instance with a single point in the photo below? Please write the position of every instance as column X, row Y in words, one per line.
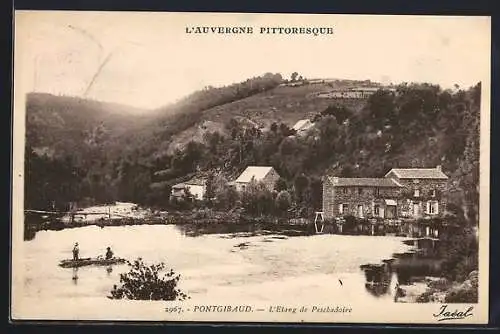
column 192, row 223
column 434, row 289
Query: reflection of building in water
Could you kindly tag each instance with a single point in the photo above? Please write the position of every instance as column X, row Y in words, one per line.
column 393, row 277
column 378, row 278
column 109, row 270
column 414, row 266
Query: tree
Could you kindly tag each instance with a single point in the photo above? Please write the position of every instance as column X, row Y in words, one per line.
column 341, row 113
column 347, row 171
column 256, row 199
column 300, row 184
column 283, row 202
column 210, row 189
column 316, row 191
column 293, row 77
column 381, row 106
column 226, row 198
column 274, row 127
column 144, row 282
column 281, row 184
column 159, row 194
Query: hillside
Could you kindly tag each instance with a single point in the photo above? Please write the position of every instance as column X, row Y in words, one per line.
column 79, row 149
column 282, row 104
column 57, row 125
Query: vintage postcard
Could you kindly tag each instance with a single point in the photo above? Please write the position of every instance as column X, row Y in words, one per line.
column 251, row 167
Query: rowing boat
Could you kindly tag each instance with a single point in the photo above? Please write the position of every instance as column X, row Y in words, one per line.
column 90, row 261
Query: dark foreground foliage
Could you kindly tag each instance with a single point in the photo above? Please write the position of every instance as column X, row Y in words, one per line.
column 145, row 282
column 460, row 252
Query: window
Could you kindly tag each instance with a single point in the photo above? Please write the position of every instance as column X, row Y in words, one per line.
column 416, row 193
column 433, row 193
column 432, row 207
column 376, row 210
column 344, row 190
column 376, row 191
column 343, row 208
column 360, row 191
column 360, row 211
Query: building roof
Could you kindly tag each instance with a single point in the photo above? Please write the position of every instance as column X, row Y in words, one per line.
column 196, row 181
column 366, row 89
column 363, row 182
column 257, row 172
column 418, row 173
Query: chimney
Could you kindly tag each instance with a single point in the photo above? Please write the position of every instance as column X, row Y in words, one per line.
column 438, row 167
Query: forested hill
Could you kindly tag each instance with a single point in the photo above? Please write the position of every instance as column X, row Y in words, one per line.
column 222, row 130
column 59, row 125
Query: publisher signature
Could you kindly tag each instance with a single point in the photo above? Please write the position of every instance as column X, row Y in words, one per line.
column 446, row 314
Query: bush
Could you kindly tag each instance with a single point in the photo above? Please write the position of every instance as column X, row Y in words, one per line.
column 425, row 297
column 460, row 253
column 350, row 223
column 143, row 282
column 462, row 295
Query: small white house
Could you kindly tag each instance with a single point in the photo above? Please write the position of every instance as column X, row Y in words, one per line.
column 196, row 187
column 264, row 174
column 303, row 125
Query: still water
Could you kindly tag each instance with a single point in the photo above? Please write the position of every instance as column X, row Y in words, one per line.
column 213, row 267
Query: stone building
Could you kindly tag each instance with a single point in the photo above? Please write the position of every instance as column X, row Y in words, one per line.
column 402, row 193
column 360, row 197
column 423, row 191
column 265, row 174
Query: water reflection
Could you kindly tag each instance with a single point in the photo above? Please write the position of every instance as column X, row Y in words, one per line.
column 404, row 268
column 378, row 278
column 250, row 229
column 75, row 275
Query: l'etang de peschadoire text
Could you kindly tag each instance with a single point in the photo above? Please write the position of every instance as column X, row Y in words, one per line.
column 312, row 309
column 270, row 309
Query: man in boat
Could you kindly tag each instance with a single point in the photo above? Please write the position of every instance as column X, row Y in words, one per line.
column 109, row 253
column 76, row 251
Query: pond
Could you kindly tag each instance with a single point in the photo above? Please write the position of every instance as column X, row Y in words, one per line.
column 216, row 267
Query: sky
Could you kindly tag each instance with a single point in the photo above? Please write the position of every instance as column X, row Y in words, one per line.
column 147, row 60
